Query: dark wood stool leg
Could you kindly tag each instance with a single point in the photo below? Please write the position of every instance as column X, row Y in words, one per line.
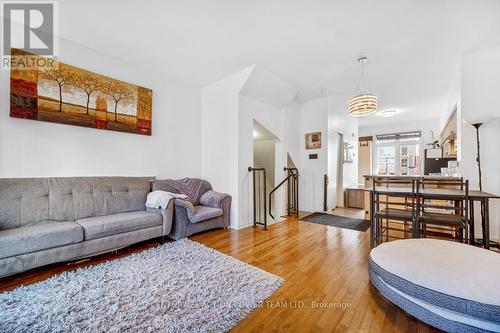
column 380, row 232
column 373, row 231
column 472, row 234
column 486, row 224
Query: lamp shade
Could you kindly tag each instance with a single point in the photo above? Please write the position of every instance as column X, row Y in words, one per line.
column 362, row 105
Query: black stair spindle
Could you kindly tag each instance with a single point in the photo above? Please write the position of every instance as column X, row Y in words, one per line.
column 292, row 180
column 259, row 191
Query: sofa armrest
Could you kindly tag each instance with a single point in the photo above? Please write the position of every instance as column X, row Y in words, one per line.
column 212, row 199
column 186, row 205
column 167, row 215
column 218, row 200
column 226, row 208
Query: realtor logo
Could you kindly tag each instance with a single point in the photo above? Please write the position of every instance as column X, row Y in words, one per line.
column 30, row 27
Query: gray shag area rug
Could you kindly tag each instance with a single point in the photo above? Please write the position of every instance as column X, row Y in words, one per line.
column 181, row 286
column 338, row 221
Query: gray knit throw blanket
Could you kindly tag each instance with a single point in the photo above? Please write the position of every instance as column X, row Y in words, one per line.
column 188, row 186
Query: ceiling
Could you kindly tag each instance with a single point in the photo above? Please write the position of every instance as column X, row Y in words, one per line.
column 414, row 46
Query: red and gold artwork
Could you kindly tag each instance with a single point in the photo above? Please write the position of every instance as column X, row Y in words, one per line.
column 69, row 95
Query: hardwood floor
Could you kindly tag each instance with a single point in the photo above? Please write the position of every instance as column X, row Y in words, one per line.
column 321, row 265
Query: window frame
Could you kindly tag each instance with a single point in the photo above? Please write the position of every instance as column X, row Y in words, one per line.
column 397, row 140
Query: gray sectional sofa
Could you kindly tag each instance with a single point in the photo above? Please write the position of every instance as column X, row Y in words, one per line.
column 49, row 220
column 209, row 210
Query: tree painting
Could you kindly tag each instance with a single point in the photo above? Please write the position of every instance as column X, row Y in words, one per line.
column 89, row 84
column 70, row 95
column 61, row 76
column 117, row 92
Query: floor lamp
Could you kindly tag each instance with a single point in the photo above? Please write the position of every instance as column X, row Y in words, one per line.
column 478, row 156
column 477, row 125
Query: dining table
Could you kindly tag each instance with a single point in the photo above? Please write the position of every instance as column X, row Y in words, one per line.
column 453, row 195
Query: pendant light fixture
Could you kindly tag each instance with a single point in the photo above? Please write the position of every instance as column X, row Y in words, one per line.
column 363, row 104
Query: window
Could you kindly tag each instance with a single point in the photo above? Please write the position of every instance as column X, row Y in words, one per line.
column 398, row 154
column 386, row 160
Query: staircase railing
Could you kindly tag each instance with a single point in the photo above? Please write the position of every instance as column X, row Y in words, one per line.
column 292, row 180
column 259, row 196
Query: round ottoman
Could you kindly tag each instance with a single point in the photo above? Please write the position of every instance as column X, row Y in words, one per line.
column 452, row 286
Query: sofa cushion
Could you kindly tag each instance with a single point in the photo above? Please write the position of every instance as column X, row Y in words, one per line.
column 23, row 202
column 81, row 197
column 203, row 213
column 38, row 237
column 103, row 226
column 28, row 201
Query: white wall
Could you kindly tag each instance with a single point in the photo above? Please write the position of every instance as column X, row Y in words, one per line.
column 313, row 118
column 326, row 115
column 227, row 136
column 291, row 132
column 219, row 136
column 264, row 153
column 39, row 149
column 479, row 95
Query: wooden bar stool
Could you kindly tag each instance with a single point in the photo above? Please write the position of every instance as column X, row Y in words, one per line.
column 389, row 204
column 443, row 214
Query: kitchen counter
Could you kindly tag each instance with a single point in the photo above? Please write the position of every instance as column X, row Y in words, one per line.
column 412, row 177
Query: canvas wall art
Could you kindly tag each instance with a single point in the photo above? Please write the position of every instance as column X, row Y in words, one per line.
column 69, row 95
column 313, row 140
